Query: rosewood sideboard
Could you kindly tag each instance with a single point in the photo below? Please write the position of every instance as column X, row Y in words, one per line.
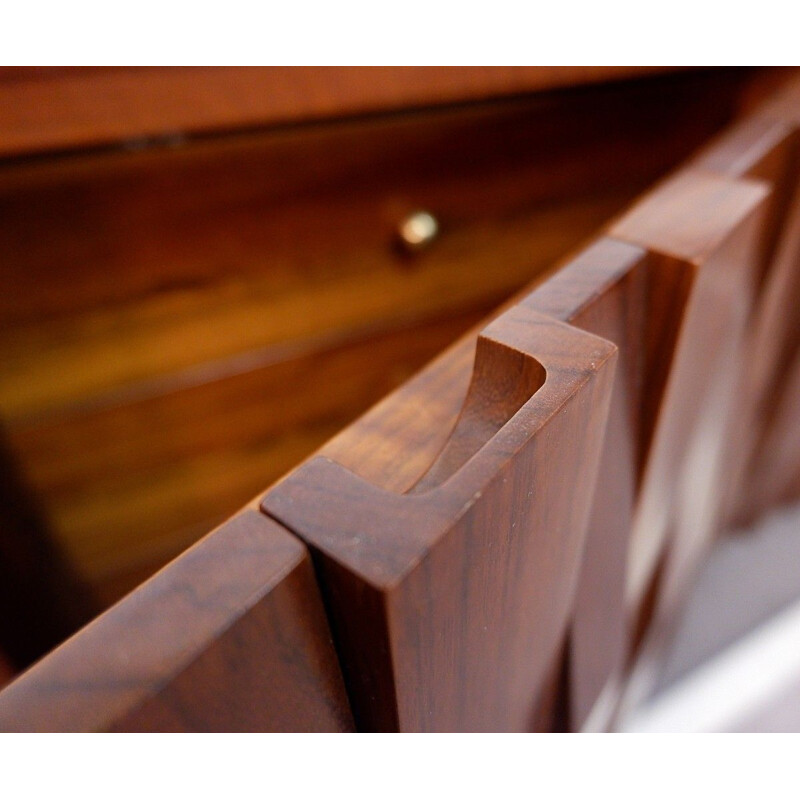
column 205, row 302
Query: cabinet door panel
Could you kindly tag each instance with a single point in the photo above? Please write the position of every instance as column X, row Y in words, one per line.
column 229, row 637
column 449, row 601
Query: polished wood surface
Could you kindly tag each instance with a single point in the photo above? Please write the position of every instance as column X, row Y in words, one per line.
column 712, row 227
column 618, row 291
column 480, row 556
column 766, row 146
column 57, row 108
column 159, row 342
column 693, row 246
column 229, row 637
column 504, row 541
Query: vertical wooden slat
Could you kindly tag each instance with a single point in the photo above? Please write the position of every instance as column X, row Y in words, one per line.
column 715, row 227
column 454, row 577
column 675, row 298
column 765, row 146
column 615, row 290
column 449, row 602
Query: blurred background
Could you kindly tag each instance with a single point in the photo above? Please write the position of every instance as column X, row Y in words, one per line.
column 207, row 272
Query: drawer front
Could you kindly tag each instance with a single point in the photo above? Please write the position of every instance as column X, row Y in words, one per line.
column 504, row 540
column 164, row 310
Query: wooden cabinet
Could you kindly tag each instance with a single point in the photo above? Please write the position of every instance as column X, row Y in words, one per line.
column 498, row 540
column 170, row 307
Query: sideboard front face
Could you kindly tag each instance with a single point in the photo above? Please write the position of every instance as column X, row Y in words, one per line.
column 500, row 540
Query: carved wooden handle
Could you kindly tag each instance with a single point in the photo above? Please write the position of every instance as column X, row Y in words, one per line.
column 449, row 601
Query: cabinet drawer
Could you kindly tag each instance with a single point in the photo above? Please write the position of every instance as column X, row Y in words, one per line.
column 165, row 306
column 500, row 543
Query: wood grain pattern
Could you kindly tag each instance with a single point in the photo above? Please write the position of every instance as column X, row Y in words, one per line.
column 144, row 252
column 767, row 392
column 449, row 601
column 473, row 577
column 766, row 148
column 620, row 292
column 56, row 108
column 135, row 483
column 104, row 355
column 773, row 472
column 714, row 227
column 737, row 263
column 652, row 302
column 221, row 272
column 230, row 637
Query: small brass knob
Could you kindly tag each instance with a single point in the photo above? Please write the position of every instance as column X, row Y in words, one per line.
column 418, row 230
